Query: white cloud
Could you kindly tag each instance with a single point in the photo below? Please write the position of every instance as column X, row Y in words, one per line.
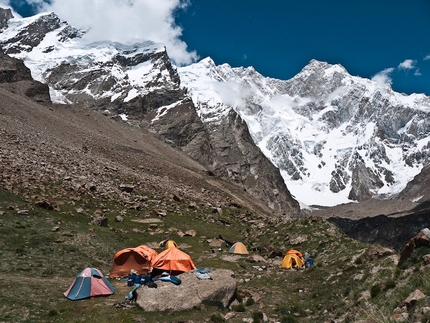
column 126, row 21
column 427, row 57
column 229, row 92
column 407, row 64
column 383, row 78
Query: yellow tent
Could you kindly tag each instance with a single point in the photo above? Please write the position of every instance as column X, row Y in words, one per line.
column 170, row 244
column 292, row 260
column 167, row 243
column 239, row 249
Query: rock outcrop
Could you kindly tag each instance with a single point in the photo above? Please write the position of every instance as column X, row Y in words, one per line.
column 13, row 71
column 422, row 239
column 191, row 293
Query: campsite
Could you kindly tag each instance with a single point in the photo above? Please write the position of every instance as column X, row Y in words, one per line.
column 46, row 249
column 75, row 193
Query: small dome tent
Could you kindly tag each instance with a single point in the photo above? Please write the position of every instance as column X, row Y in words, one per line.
column 173, row 261
column 292, row 259
column 167, row 243
column 90, row 282
column 170, row 244
column 239, row 249
column 139, row 259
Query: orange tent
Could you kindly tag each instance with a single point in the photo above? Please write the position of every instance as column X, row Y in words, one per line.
column 293, row 259
column 294, row 252
column 148, row 251
column 139, row 259
column 174, row 261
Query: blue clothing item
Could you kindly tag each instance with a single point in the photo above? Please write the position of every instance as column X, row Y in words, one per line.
column 138, row 279
column 309, row 262
column 169, row 278
column 130, row 295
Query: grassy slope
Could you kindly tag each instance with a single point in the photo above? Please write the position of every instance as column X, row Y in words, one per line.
column 38, row 265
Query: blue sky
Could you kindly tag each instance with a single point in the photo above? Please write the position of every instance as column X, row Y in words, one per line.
column 388, row 40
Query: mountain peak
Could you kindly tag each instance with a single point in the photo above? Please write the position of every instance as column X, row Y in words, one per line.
column 207, row 61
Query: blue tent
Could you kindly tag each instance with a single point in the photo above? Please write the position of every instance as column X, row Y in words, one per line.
column 90, row 282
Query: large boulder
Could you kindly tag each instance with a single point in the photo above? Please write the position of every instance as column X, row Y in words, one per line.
column 422, row 239
column 191, row 293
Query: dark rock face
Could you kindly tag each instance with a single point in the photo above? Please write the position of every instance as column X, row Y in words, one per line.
column 5, row 16
column 237, row 158
column 69, row 32
column 228, row 152
column 390, row 232
column 364, row 182
column 14, row 71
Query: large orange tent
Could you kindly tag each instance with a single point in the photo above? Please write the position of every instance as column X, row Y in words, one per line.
column 151, row 253
column 139, row 259
column 173, row 261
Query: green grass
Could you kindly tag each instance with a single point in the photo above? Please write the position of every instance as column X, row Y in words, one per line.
column 39, row 263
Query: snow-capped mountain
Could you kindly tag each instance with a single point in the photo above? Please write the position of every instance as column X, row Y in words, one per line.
column 331, row 137
column 52, row 48
column 336, row 138
column 137, row 83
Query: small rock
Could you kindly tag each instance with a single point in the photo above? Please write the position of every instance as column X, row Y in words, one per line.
column 414, row 297
column 101, row 221
column 190, row 233
column 126, row 188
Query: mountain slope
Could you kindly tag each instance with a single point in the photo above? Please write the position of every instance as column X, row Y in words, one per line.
column 88, row 153
column 138, row 83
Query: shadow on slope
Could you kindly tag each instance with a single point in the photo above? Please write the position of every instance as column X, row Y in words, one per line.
column 390, row 232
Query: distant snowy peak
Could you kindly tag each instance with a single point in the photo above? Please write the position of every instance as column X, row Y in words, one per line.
column 324, row 81
column 215, row 89
column 22, row 34
column 101, row 70
column 335, row 137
